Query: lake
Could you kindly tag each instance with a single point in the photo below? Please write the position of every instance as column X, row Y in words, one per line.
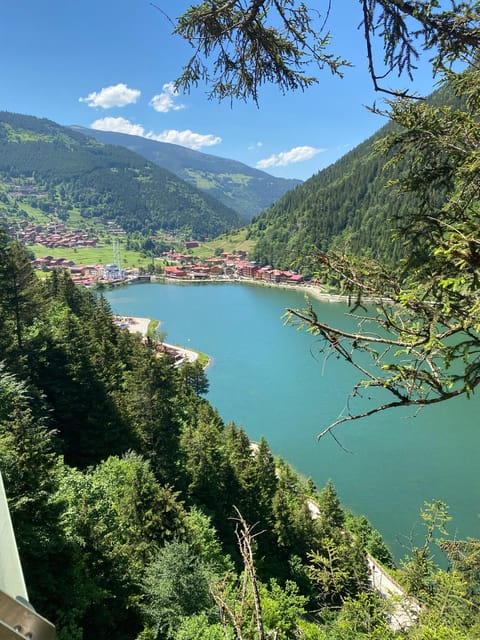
column 271, row 380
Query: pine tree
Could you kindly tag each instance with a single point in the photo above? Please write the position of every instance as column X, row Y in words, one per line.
column 21, row 296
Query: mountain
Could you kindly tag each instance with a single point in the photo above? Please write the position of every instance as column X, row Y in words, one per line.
column 244, row 189
column 62, row 170
column 346, row 206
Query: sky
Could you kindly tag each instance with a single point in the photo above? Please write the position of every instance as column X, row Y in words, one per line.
column 111, row 64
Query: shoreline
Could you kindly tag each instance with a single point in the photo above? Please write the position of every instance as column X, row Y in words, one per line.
column 315, row 291
column 141, row 325
column 137, row 324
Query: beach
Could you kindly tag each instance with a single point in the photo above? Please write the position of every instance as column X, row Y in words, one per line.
column 140, row 325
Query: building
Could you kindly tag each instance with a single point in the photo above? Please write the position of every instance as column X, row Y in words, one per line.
column 113, row 272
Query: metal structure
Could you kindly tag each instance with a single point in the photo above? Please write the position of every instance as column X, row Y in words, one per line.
column 117, row 258
column 18, row 619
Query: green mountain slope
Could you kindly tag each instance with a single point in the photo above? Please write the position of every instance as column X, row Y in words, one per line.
column 71, row 171
column 347, row 206
column 344, row 204
column 244, row 189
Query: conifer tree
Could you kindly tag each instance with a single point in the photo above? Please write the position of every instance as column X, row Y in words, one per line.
column 21, row 295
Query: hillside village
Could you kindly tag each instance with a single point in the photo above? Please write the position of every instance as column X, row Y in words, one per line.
column 51, row 235
column 172, row 264
column 175, row 266
column 229, row 265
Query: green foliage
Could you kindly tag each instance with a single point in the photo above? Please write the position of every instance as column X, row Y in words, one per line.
column 194, row 376
column 366, row 614
column 240, row 187
column 345, row 207
column 118, row 515
column 176, row 587
column 149, row 397
column 204, row 464
column 112, row 183
column 135, row 534
column 31, row 471
column 204, row 542
column 21, row 298
column 239, row 46
column 373, row 542
column 198, row 627
column 338, row 569
column 332, row 516
column 77, row 348
column 252, row 47
column 282, row 608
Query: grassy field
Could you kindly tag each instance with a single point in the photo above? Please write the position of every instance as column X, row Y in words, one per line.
column 93, row 255
column 229, row 242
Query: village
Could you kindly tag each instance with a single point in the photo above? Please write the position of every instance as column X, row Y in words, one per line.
column 226, row 265
column 174, row 266
column 170, row 265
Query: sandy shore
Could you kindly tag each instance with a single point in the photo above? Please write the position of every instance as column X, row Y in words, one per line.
column 140, row 325
column 134, row 325
column 188, row 354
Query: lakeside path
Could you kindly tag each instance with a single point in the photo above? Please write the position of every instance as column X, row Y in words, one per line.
column 314, row 291
column 308, row 289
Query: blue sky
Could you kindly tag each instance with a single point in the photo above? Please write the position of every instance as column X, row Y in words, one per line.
column 111, row 63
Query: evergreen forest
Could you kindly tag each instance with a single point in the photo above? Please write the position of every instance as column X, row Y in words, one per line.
column 352, row 207
column 240, row 187
column 140, row 515
column 60, row 171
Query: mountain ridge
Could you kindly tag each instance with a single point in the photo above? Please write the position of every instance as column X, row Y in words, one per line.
column 76, row 172
column 237, row 185
column 347, row 206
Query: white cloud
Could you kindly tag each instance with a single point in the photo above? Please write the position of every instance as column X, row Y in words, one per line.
column 165, row 101
column 185, row 138
column 117, row 95
column 297, row 154
column 120, row 125
column 256, row 145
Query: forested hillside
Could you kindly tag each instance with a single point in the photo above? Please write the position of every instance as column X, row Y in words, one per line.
column 129, row 496
column 348, row 206
column 237, row 185
column 65, row 170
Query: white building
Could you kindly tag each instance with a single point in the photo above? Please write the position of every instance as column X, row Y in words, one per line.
column 113, row 272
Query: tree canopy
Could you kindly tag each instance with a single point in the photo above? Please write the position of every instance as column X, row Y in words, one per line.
column 241, row 44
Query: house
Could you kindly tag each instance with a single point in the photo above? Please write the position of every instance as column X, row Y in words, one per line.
column 295, row 278
column 263, row 273
column 246, row 269
column 174, row 272
column 216, row 270
column 277, row 276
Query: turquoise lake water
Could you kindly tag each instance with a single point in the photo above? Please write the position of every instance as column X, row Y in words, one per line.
column 271, row 380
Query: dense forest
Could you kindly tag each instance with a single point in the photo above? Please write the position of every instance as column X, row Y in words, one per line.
column 237, row 185
column 140, row 515
column 351, row 206
column 69, row 171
